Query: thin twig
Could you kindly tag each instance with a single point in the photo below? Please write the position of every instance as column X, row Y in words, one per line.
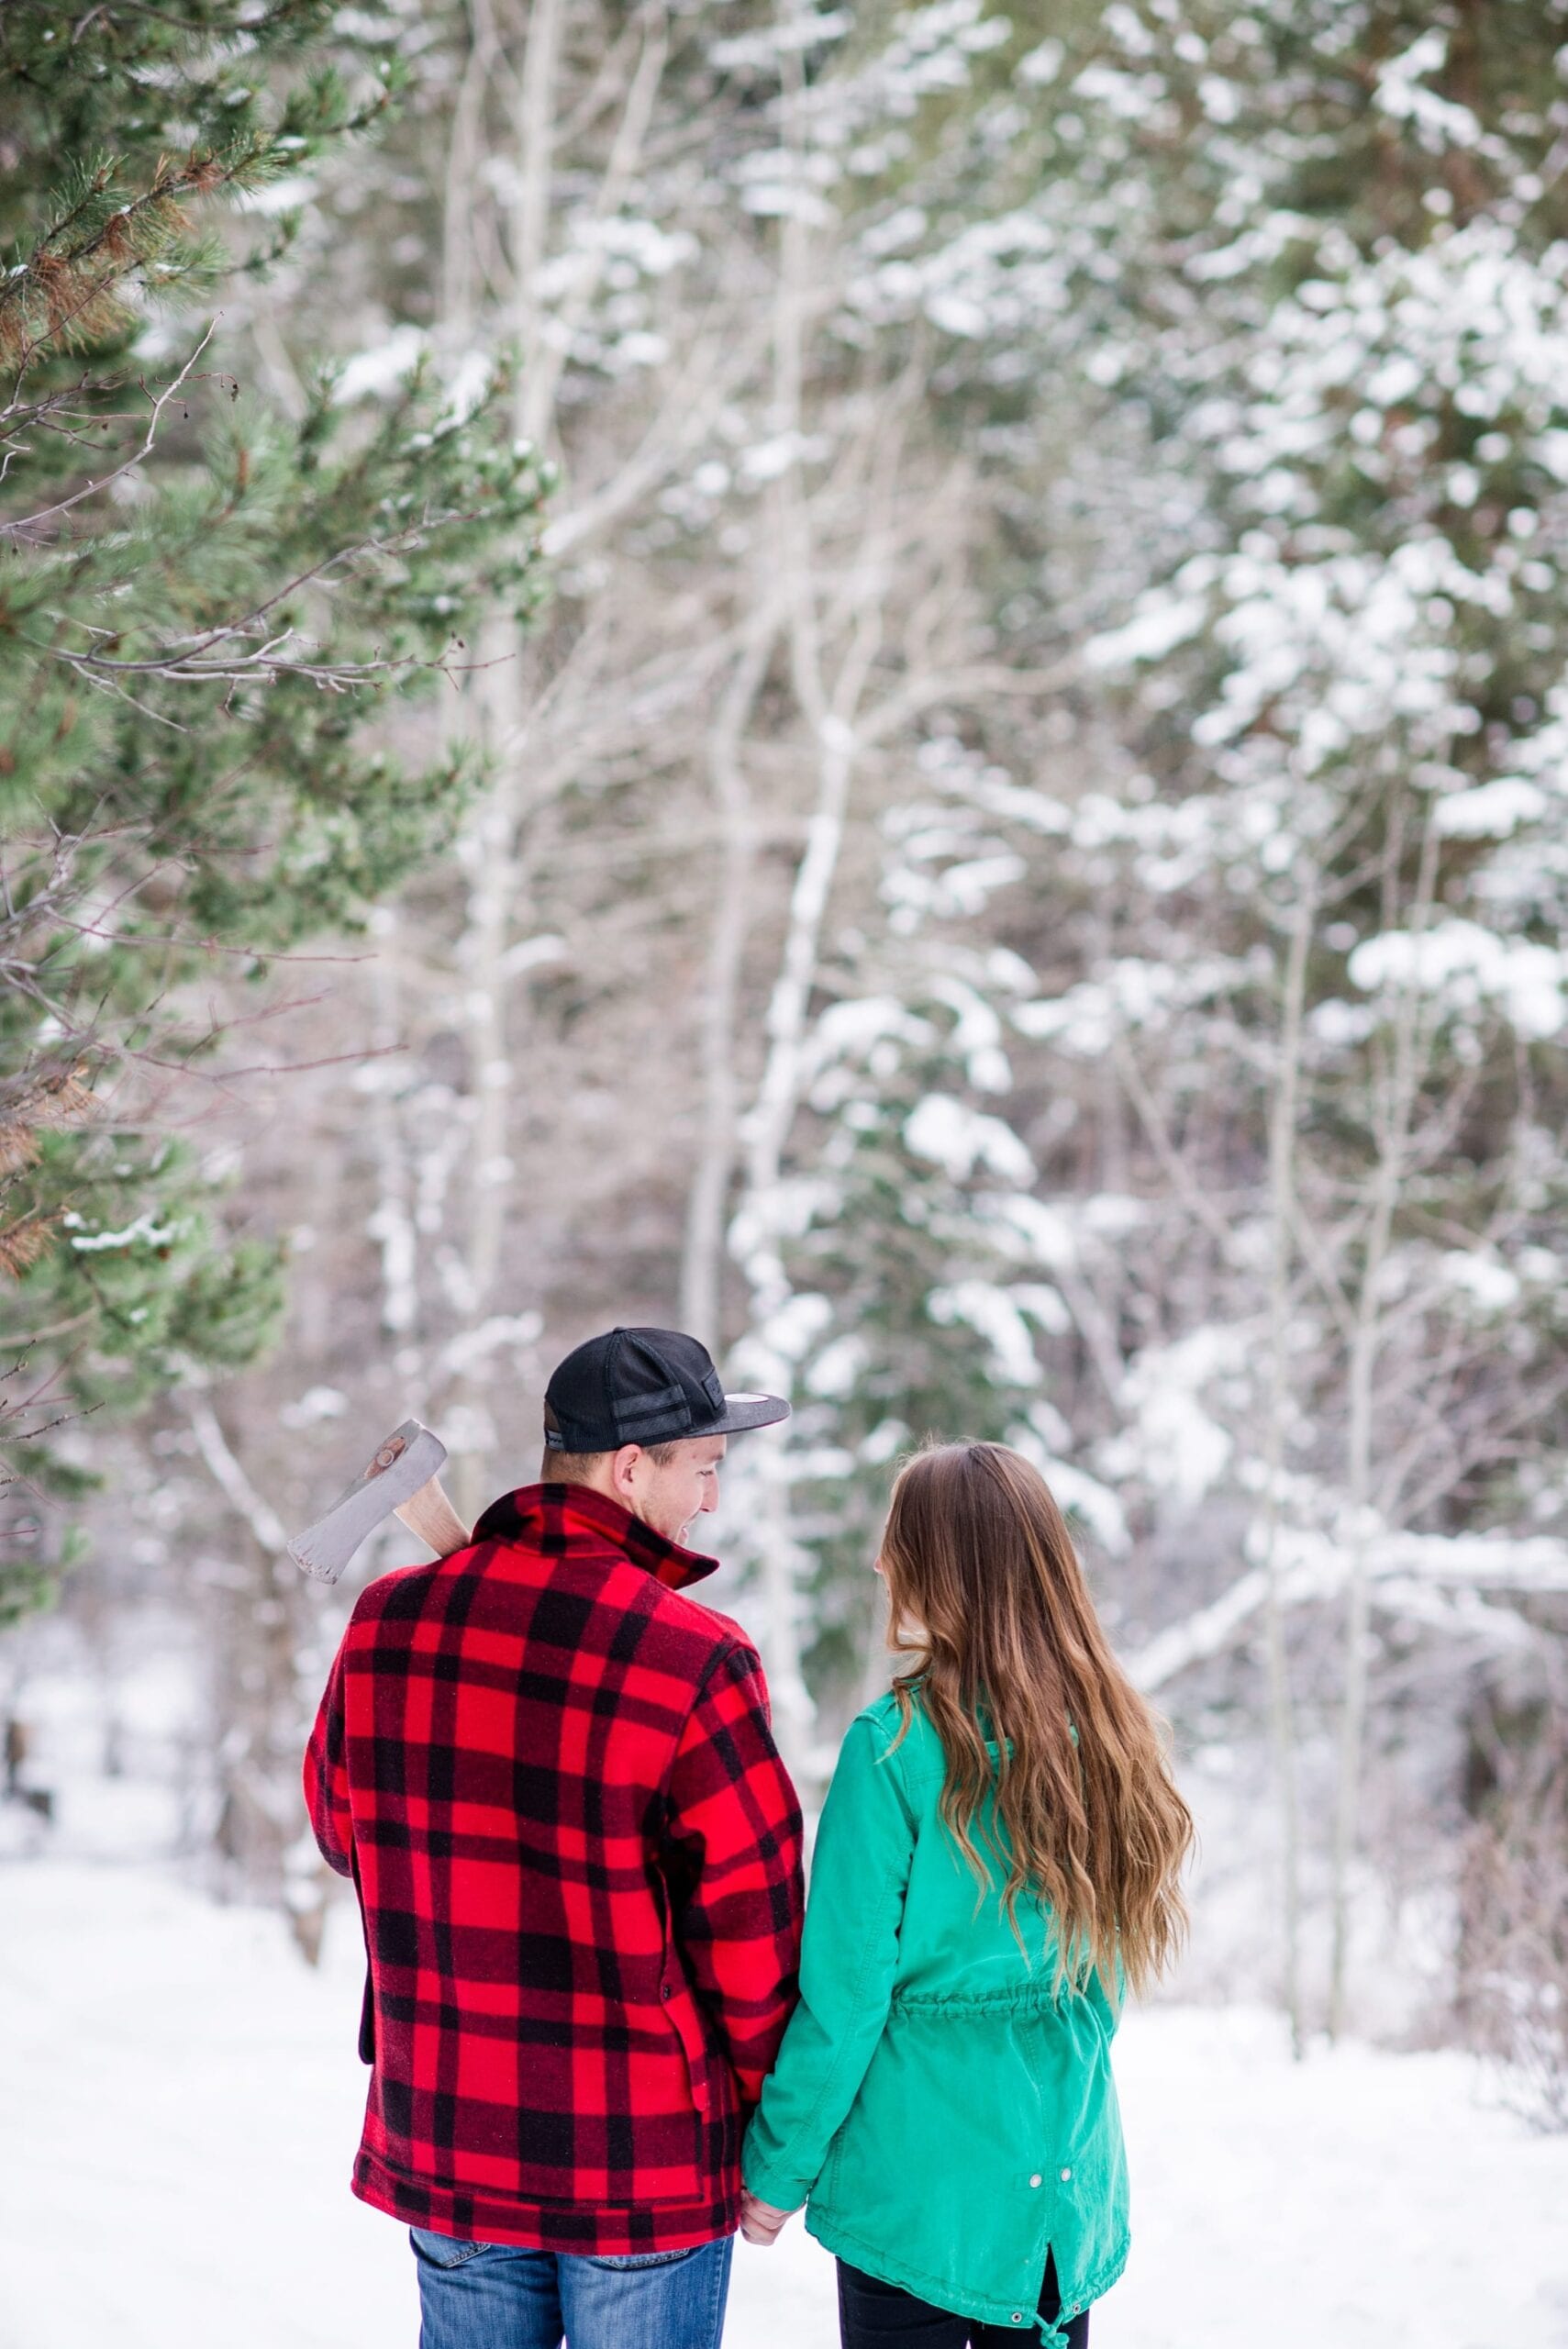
column 29, row 524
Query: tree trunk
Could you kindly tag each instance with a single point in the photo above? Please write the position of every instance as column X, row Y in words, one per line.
column 1394, row 1089
column 1282, row 1217
column 702, row 1257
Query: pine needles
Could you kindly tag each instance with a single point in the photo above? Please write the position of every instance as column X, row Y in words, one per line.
column 202, row 608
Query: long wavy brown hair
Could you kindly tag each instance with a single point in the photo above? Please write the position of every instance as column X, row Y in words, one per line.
column 1073, row 1797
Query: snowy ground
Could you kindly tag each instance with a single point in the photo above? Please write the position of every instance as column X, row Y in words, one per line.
column 179, row 2103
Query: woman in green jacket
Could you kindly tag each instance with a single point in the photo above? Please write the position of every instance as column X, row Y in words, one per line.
column 999, row 1858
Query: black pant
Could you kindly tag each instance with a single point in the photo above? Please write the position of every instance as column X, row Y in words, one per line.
column 874, row 2315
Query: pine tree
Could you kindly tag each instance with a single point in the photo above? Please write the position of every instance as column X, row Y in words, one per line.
column 1310, row 263
column 912, row 1232
column 205, row 611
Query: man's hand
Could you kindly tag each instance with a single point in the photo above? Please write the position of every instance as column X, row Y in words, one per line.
column 760, row 2223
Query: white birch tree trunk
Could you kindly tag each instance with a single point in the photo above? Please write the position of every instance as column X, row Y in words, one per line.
column 1395, row 1093
column 391, row 1223
column 702, row 1262
column 489, row 847
column 1282, row 1144
column 500, row 893
column 829, row 709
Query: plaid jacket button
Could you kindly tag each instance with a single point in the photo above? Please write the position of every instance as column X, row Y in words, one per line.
column 664, row 1990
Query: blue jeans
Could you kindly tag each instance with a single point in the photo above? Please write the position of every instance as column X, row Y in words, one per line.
column 495, row 2296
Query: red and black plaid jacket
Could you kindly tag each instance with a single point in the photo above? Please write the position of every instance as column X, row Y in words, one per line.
column 577, row 1854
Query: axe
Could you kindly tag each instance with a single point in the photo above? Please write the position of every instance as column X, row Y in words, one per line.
column 400, row 1481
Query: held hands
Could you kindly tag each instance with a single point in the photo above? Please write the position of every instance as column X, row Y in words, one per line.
column 760, row 2223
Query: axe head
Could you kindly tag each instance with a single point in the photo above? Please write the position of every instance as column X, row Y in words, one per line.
column 409, row 1458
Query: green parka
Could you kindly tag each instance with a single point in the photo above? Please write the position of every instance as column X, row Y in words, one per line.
column 944, row 2111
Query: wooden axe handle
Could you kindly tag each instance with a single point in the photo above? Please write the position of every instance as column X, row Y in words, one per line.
column 431, row 1515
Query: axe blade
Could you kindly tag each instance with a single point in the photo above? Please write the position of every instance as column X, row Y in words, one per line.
column 324, row 1549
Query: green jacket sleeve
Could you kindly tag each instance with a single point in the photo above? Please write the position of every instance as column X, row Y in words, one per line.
column 859, row 1875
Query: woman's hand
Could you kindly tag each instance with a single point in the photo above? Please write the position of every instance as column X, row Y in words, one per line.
column 760, row 2223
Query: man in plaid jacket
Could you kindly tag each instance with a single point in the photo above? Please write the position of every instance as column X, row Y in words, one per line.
column 551, row 1777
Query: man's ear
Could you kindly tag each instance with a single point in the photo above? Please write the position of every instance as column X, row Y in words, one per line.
column 623, row 1471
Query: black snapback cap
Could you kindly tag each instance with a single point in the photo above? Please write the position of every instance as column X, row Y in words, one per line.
column 645, row 1386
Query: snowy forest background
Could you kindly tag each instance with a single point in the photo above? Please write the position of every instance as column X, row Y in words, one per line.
column 1009, row 870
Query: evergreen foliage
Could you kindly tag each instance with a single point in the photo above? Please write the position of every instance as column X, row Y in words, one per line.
column 919, row 1291
column 1323, row 255
column 1254, row 324
column 205, row 608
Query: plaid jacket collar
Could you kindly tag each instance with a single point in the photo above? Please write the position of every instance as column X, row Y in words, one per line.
column 575, row 1520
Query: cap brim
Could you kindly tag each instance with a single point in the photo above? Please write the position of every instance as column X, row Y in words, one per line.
column 742, row 1411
